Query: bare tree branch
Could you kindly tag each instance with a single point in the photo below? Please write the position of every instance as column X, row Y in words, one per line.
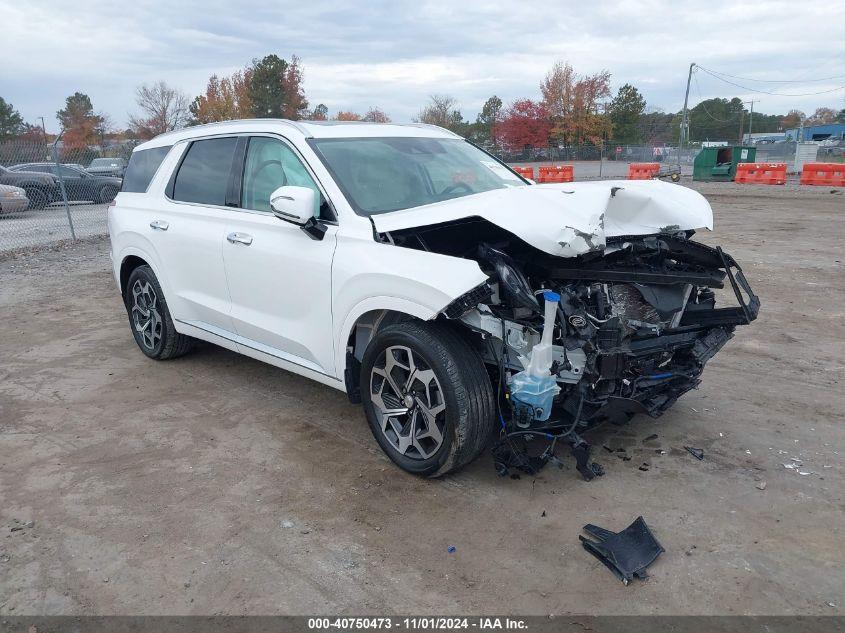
column 163, row 108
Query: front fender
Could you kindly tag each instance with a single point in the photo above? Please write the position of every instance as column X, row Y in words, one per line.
column 372, row 304
column 369, row 276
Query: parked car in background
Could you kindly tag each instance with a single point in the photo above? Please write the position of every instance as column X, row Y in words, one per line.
column 41, row 188
column 12, row 199
column 115, row 167
column 80, row 185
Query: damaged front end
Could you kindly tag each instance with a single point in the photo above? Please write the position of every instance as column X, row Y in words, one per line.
column 574, row 342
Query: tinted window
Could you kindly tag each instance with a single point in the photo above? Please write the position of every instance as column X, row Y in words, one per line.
column 142, row 167
column 271, row 164
column 110, row 162
column 69, row 172
column 204, row 174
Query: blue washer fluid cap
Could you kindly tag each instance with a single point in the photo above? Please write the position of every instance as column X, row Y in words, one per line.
column 551, row 296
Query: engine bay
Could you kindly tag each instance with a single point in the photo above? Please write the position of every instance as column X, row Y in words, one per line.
column 632, row 326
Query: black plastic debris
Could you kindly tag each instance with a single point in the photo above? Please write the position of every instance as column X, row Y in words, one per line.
column 583, row 464
column 695, row 452
column 514, row 452
column 626, row 553
column 509, row 456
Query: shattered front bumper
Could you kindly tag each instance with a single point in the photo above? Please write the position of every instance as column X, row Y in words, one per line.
column 699, row 335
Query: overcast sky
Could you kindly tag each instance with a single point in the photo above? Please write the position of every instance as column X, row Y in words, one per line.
column 393, row 54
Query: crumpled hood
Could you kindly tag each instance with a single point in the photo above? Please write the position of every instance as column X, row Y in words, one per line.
column 569, row 219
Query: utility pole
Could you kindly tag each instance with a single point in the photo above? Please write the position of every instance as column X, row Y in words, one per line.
column 44, row 129
column 750, row 118
column 742, row 119
column 682, row 138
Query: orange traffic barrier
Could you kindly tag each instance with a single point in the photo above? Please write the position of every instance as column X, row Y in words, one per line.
column 525, row 172
column 761, row 173
column 826, row 174
column 555, row 173
column 643, row 171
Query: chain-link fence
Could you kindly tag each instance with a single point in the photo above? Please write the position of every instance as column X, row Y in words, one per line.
column 610, row 160
column 66, row 190
column 51, row 192
column 609, row 151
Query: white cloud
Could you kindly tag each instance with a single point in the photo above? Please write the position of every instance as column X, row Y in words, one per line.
column 394, row 54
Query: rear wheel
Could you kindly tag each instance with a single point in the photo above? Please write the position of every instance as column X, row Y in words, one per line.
column 107, row 194
column 149, row 318
column 427, row 397
column 38, row 198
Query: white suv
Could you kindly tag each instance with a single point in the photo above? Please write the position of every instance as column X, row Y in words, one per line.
column 415, row 272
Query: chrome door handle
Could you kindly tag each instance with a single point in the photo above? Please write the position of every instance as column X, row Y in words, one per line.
column 159, row 225
column 239, row 238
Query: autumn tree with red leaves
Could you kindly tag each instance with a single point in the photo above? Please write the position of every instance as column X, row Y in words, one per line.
column 82, row 127
column 269, row 87
column 572, row 101
column 344, row 115
column 525, row 124
column 224, row 99
column 375, row 115
column 275, row 88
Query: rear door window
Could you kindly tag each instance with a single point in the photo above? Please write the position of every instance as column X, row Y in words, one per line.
column 204, row 174
column 142, row 167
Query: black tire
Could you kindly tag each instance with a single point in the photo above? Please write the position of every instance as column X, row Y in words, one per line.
column 162, row 342
column 107, row 194
column 467, row 392
column 38, row 198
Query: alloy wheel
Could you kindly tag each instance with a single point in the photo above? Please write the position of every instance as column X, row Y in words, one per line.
column 146, row 318
column 409, row 402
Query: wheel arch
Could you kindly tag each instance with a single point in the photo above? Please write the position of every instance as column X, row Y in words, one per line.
column 130, row 259
column 361, row 325
column 129, row 264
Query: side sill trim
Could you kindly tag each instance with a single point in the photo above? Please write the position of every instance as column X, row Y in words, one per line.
column 256, row 346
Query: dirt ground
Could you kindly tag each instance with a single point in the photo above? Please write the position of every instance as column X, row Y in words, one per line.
column 216, row 484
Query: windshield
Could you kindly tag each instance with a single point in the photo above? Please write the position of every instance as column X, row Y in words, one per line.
column 379, row 175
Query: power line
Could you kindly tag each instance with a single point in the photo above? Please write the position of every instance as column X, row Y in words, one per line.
column 775, row 94
column 704, row 107
column 771, row 81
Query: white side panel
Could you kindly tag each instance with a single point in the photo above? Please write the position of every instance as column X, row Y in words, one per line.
column 367, row 275
column 258, row 351
column 280, row 286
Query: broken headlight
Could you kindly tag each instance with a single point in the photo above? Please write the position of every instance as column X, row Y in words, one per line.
column 513, row 282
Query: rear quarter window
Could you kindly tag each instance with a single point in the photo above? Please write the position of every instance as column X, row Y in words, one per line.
column 142, row 167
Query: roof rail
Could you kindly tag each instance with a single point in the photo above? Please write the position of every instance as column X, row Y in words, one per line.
column 432, row 127
column 213, row 124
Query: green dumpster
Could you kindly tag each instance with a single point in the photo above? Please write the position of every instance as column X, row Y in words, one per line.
column 719, row 163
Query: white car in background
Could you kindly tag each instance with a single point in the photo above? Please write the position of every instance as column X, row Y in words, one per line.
column 13, row 199
column 417, row 273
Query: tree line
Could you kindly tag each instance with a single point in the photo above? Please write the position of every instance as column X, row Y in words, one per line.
column 570, row 109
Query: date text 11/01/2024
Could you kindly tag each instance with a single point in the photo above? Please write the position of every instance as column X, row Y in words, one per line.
column 420, row 623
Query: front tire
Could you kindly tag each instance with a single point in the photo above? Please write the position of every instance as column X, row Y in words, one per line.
column 150, row 320
column 427, row 397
